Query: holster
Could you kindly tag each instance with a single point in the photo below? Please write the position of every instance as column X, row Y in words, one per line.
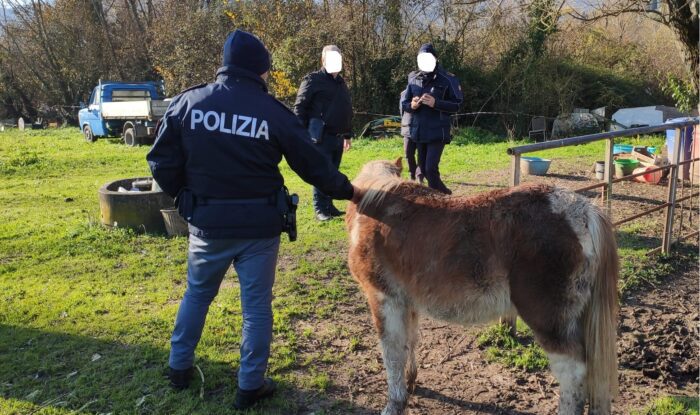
column 287, row 206
column 185, row 201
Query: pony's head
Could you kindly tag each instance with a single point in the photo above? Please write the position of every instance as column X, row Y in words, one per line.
column 376, row 178
column 379, row 169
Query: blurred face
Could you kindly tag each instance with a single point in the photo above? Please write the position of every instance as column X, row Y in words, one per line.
column 333, row 62
column 426, row 62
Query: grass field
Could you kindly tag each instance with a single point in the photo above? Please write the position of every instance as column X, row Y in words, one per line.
column 672, row 405
column 86, row 313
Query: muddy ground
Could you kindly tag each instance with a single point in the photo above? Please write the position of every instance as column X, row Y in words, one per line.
column 658, row 343
column 657, row 349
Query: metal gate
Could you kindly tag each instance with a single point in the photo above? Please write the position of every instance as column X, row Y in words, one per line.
column 606, row 186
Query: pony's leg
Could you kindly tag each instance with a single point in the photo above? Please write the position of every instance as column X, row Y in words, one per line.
column 394, row 338
column 603, row 408
column 571, row 374
column 411, row 368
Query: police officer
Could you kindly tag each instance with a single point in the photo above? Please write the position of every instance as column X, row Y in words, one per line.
column 431, row 95
column 217, row 150
column 323, row 105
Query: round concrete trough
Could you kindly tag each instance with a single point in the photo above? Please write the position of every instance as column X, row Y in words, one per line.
column 136, row 210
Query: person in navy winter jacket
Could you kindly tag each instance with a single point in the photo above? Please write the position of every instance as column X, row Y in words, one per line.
column 217, row 151
column 431, row 96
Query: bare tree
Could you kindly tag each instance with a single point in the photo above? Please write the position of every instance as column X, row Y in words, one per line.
column 509, row 54
column 681, row 16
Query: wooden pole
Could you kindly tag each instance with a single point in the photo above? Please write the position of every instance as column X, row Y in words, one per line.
column 509, row 320
column 515, row 170
column 671, row 198
column 609, row 174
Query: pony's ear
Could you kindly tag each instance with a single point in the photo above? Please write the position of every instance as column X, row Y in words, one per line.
column 398, row 163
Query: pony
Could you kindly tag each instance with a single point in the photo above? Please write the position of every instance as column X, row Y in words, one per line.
column 538, row 251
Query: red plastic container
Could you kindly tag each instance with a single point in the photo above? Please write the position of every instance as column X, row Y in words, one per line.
column 654, row 177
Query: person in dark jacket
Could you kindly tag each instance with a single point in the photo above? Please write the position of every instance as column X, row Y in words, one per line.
column 409, row 146
column 323, row 105
column 432, row 94
column 217, row 152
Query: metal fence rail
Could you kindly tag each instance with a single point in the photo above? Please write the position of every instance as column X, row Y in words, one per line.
column 607, row 185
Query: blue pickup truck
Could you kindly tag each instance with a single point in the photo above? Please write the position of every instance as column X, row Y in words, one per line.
column 129, row 110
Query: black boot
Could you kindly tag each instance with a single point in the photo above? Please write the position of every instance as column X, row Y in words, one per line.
column 323, row 216
column 245, row 399
column 180, row 379
column 335, row 212
column 445, row 190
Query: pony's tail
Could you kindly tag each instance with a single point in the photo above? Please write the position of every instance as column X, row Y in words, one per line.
column 600, row 315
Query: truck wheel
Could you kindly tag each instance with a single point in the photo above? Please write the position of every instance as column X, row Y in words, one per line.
column 89, row 136
column 129, row 136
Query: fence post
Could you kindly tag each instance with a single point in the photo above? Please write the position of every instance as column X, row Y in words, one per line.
column 515, row 169
column 509, row 320
column 609, row 174
column 671, row 199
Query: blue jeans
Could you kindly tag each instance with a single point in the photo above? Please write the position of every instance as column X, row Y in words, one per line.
column 255, row 261
column 332, row 147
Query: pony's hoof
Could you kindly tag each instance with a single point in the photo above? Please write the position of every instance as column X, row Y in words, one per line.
column 411, row 375
column 597, row 410
column 396, row 408
column 411, row 387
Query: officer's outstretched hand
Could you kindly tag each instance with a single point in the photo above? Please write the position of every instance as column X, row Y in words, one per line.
column 357, row 195
column 347, row 143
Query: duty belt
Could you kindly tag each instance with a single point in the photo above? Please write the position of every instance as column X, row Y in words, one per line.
column 204, row 201
column 186, row 201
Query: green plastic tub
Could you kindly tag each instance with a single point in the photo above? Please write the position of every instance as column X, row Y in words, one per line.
column 625, row 167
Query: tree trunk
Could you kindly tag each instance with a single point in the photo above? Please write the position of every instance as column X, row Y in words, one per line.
column 102, row 21
column 683, row 20
column 133, row 10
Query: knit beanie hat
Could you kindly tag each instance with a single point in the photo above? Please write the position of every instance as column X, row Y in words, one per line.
column 244, row 50
column 427, row 48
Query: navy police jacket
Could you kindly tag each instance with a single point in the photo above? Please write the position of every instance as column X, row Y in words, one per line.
column 425, row 124
column 218, row 147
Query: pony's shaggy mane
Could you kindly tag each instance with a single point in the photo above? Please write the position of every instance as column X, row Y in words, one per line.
column 377, row 191
column 377, row 178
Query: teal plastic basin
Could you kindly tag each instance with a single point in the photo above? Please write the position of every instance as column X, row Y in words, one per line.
column 534, row 165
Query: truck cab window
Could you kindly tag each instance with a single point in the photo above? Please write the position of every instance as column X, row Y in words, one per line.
column 95, row 97
column 121, row 95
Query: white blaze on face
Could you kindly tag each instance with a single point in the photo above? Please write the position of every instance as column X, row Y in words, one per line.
column 333, row 62
column 426, row 62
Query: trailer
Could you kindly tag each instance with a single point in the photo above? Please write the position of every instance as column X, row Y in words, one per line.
column 129, row 110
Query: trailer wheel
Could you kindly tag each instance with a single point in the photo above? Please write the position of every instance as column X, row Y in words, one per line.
column 89, row 136
column 129, row 136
